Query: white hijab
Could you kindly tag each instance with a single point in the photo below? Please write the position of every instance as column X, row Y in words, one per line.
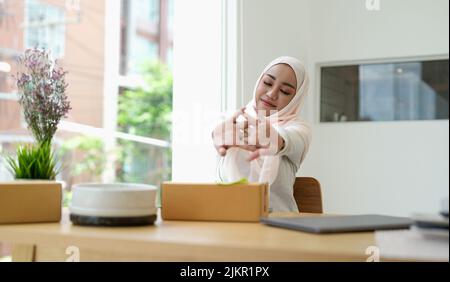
column 265, row 169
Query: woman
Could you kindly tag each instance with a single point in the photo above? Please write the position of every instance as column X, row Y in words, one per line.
column 269, row 140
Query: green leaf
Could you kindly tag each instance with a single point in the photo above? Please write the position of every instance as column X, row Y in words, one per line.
column 34, row 162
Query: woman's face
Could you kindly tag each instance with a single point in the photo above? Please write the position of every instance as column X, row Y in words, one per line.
column 276, row 89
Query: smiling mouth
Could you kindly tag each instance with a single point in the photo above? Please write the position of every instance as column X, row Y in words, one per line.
column 267, row 103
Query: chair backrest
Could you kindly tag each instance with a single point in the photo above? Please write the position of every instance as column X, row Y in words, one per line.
column 308, row 195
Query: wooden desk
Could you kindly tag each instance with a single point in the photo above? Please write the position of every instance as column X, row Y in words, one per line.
column 182, row 241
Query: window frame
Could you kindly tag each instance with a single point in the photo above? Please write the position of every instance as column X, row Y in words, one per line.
column 388, row 60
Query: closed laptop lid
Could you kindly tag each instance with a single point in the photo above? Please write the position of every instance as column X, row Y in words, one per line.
column 339, row 224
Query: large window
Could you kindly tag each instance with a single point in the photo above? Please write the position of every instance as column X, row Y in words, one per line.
column 76, row 32
column 415, row 90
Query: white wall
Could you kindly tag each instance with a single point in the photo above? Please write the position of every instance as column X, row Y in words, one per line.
column 391, row 168
column 272, row 28
column 381, row 167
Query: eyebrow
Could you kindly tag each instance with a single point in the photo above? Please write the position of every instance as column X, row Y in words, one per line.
column 284, row 83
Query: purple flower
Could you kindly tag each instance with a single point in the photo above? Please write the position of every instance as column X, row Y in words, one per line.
column 42, row 93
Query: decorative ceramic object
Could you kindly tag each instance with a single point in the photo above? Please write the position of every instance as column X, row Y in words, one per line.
column 117, row 204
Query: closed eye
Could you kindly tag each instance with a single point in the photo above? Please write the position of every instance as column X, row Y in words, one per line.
column 270, row 85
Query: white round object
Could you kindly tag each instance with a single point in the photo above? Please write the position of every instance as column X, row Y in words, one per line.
column 113, row 200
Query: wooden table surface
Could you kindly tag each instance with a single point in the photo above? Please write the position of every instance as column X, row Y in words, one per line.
column 181, row 241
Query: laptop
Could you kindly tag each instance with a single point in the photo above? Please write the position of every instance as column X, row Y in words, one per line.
column 339, row 224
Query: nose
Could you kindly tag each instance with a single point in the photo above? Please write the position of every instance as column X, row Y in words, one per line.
column 272, row 93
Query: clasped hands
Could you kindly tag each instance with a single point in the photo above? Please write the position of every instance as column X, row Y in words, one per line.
column 255, row 135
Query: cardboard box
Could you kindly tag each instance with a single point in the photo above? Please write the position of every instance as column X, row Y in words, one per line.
column 212, row 202
column 30, row 201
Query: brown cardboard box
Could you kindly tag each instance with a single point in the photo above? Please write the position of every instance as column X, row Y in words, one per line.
column 197, row 201
column 30, row 201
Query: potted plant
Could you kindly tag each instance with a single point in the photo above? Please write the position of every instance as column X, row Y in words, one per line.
column 42, row 97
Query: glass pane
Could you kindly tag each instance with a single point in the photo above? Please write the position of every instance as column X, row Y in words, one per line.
column 74, row 32
column 74, row 36
column 141, row 163
column 146, row 110
column 145, row 99
column 140, row 34
column 171, row 11
column 385, row 92
column 84, row 160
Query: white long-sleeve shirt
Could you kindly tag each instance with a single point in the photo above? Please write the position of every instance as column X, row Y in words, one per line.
column 282, row 189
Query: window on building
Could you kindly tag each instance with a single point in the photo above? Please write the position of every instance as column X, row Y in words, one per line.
column 45, row 26
column 415, row 90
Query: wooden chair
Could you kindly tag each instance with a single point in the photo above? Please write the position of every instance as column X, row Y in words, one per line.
column 308, row 195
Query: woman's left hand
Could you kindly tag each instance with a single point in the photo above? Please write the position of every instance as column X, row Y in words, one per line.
column 261, row 138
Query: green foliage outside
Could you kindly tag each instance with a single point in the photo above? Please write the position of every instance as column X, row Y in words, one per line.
column 146, row 112
column 93, row 158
